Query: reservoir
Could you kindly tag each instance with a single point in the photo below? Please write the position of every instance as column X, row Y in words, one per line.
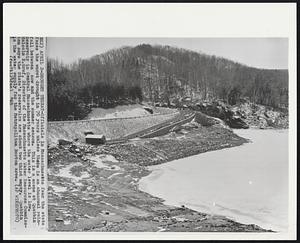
column 248, row 183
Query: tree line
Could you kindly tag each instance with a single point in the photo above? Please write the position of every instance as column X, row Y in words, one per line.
column 68, row 99
column 158, row 74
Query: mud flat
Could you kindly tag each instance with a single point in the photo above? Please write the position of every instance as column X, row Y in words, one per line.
column 95, row 188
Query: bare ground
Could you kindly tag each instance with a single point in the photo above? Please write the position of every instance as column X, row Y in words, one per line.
column 95, row 188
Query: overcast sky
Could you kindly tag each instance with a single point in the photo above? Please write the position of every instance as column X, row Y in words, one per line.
column 256, row 52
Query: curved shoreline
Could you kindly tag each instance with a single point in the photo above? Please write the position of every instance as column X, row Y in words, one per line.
column 152, row 181
column 113, row 186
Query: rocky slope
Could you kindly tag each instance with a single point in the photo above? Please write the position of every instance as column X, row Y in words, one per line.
column 245, row 114
column 95, row 188
column 260, row 116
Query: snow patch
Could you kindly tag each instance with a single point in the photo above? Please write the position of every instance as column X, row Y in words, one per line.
column 111, row 176
column 118, row 112
column 67, row 222
column 128, row 113
column 88, row 216
column 100, row 160
column 66, row 172
column 179, row 219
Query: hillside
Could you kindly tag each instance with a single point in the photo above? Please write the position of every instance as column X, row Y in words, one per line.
column 158, row 74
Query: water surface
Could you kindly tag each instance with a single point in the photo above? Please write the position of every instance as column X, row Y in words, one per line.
column 248, row 183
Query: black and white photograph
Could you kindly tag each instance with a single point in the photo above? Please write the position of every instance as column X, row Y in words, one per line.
column 155, row 121
column 167, row 134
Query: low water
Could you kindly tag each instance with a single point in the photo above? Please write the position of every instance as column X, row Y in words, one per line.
column 248, row 183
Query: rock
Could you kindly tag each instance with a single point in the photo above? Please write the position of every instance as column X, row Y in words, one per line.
column 214, row 109
column 72, row 148
column 222, row 111
column 172, row 105
column 64, row 142
column 175, row 129
column 190, row 125
column 150, row 110
column 263, row 123
column 205, row 120
column 237, row 122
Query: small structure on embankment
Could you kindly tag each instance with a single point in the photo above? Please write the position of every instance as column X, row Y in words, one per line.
column 95, row 139
column 113, row 128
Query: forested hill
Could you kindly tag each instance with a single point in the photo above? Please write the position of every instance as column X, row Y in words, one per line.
column 159, row 74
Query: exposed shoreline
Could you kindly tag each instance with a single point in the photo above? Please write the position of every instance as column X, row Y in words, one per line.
column 108, row 198
column 208, row 171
